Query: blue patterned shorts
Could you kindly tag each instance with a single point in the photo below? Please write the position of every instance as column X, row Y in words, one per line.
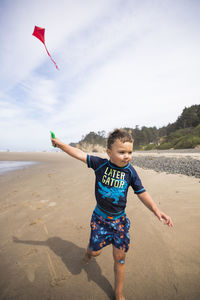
column 105, row 232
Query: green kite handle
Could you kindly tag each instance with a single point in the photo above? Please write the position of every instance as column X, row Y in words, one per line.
column 53, row 136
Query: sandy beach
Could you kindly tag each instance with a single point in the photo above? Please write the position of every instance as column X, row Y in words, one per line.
column 45, row 212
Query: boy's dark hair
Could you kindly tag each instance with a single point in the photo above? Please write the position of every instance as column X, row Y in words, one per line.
column 119, row 134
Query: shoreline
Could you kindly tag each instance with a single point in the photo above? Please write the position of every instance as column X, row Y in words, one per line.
column 13, row 165
column 169, row 161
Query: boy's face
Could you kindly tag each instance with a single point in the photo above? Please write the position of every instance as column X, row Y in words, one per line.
column 120, row 153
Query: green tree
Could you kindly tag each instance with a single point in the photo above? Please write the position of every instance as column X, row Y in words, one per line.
column 190, row 117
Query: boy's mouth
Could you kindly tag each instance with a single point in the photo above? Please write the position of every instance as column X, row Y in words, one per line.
column 125, row 161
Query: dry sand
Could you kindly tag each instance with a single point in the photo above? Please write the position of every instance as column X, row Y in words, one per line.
column 45, row 214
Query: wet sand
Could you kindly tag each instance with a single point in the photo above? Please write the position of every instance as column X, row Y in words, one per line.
column 45, row 214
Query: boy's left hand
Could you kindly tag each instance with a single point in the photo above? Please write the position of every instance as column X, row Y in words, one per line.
column 161, row 215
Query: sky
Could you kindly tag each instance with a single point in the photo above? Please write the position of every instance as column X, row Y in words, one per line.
column 121, row 63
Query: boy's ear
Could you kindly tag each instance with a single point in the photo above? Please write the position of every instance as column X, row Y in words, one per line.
column 108, row 151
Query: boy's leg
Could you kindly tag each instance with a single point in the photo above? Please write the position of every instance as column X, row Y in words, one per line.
column 119, row 269
column 98, row 236
column 89, row 254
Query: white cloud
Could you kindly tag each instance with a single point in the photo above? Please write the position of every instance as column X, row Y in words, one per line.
column 42, row 94
column 8, row 110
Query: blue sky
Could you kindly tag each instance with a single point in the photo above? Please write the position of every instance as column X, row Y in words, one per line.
column 122, row 63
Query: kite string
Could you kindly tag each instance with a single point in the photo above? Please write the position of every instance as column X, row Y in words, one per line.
column 51, row 57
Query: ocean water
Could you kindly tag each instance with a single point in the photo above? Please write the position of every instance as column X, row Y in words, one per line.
column 7, row 166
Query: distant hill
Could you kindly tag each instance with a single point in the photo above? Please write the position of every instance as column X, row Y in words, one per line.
column 182, row 134
column 93, row 142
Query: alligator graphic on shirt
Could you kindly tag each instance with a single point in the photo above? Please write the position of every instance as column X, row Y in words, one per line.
column 112, row 193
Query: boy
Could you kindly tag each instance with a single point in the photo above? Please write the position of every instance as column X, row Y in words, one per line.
column 109, row 223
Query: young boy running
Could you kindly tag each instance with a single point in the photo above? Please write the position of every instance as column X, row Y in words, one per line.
column 109, row 223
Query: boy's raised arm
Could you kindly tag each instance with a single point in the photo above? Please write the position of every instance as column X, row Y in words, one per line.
column 72, row 151
column 148, row 201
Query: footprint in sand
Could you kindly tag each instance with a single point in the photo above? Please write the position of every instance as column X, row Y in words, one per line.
column 30, row 271
column 31, row 251
column 44, row 201
column 29, row 267
column 35, row 194
column 34, row 222
column 51, row 204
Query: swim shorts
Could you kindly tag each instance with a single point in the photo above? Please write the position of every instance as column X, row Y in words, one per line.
column 105, row 232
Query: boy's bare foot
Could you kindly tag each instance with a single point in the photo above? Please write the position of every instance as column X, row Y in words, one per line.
column 87, row 258
column 119, row 297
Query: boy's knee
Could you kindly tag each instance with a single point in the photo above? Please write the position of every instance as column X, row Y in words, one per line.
column 121, row 261
column 120, row 258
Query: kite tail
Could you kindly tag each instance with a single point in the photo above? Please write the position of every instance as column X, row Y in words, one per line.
column 51, row 57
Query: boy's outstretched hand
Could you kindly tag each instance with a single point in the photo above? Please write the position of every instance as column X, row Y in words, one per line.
column 162, row 216
column 55, row 142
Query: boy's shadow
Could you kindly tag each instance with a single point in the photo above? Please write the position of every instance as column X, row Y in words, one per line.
column 72, row 256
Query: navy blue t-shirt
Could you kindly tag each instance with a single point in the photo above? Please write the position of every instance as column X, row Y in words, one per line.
column 112, row 184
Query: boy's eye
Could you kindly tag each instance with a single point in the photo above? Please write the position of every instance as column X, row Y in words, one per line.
column 122, row 152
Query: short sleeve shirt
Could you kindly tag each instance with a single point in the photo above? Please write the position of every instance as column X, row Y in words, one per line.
column 112, row 184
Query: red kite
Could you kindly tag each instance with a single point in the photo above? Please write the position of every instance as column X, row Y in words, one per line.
column 39, row 33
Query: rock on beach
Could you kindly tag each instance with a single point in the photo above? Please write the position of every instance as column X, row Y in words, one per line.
column 172, row 165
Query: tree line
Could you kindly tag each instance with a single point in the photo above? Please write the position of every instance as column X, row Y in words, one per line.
column 183, row 133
